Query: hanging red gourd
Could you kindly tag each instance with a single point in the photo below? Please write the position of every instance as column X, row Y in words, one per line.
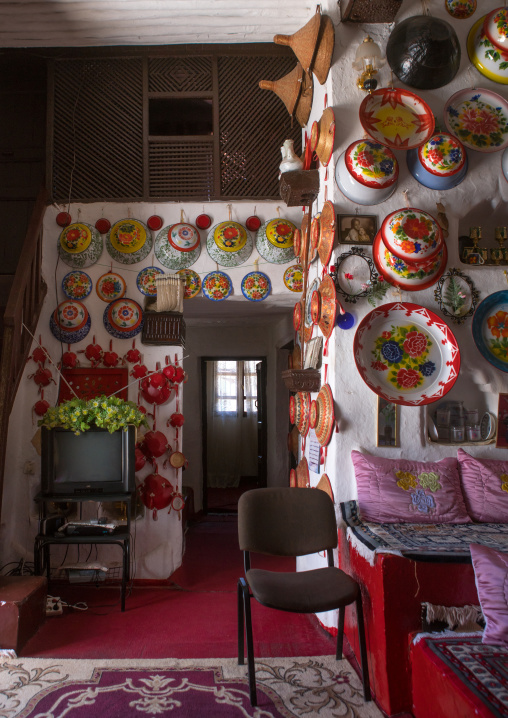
column 154, row 445
column 42, row 377
column 139, row 371
column 70, row 359
column 156, row 388
column 40, row 407
column 139, row 459
column 133, row 356
column 111, row 358
column 40, row 354
column 176, row 420
column 93, row 353
column 156, row 492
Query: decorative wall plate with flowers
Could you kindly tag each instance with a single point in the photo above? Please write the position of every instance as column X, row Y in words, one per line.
column 442, row 155
column 70, row 322
column 293, row 278
column 76, row 285
column 217, row 286
column 110, row 286
column 371, row 163
column 274, row 241
column 256, row 286
column 406, row 354
column 490, row 329
column 145, row 281
column 192, row 283
column 413, row 277
column 123, row 318
column 129, row 241
column 479, row 118
column 489, row 60
column 229, row 244
column 174, row 257
column 80, row 245
column 460, row 9
column 412, row 235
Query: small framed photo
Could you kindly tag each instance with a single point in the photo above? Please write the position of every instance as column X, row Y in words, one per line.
column 313, row 353
column 387, row 423
column 357, row 228
column 502, row 422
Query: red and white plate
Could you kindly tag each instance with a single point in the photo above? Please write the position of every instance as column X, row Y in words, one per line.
column 406, row 354
column 397, row 118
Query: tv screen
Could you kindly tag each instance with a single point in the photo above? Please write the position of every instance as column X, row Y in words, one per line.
column 94, row 461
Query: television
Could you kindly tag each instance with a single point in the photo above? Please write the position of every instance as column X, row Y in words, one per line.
column 93, row 462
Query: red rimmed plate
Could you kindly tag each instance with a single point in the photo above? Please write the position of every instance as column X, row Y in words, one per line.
column 413, row 277
column 315, row 229
column 397, row 118
column 155, row 222
column 328, row 306
column 305, row 244
column 325, row 415
column 302, row 412
column 110, row 286
column 297, row 242
column 253, row 223
column 298, row 315
column 183, row 237
column 406, row 354
column 315, row 307
column 302, row 474
column 327, row 233
column 412, row 235
column 103, row 225
column 479, row 118
column 313, row 416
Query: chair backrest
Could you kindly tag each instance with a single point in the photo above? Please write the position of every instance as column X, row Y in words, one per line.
column 286, row 521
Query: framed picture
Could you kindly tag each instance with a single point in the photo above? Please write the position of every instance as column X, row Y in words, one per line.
column 502, row 422
column 313, row 353
column 387, row 423
column 356, row 228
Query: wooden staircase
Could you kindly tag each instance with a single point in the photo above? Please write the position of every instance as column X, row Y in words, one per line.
column 21, row 314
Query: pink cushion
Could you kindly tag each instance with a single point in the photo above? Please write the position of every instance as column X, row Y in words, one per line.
column 400, row 490
column 485, row 487
column 491, row 576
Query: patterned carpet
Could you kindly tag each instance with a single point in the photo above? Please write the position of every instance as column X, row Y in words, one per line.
column 209, row 688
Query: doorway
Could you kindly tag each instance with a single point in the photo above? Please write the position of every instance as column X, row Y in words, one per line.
column 234, row 429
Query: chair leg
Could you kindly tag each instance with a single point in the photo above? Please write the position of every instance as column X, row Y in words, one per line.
column 241, row 627
column 250, row 643
column 363, row 648
column 340, row 634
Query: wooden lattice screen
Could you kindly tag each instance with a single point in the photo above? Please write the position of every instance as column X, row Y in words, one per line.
column 98, row 129
column 99, row 136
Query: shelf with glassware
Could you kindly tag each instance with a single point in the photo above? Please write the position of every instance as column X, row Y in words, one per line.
column 479, row 251
column 450, row 424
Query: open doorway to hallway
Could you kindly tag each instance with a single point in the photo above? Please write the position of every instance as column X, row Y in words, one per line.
column 234, row 429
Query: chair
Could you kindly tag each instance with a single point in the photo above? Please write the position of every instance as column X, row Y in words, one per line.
column 292, row 522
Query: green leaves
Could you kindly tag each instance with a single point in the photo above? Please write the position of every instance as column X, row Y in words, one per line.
column 79, row 415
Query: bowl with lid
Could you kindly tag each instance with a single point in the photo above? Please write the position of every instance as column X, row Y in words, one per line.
column 440, row 163
column 495, row 28
column 367, row 172
column 412, row 235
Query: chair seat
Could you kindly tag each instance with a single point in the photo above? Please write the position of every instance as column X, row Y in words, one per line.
column 321, row 589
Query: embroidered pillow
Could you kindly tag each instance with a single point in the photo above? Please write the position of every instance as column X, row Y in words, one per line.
column 400, row 490
column 485, row 488
column 491, row 576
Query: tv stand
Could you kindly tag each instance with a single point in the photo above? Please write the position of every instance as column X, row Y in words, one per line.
column 121, row 537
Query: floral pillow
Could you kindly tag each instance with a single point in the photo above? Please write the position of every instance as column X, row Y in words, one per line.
column 491, row 576
column 404, row 491
column 485, row 487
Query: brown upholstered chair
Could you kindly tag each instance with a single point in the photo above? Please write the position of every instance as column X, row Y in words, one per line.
column 292, row 522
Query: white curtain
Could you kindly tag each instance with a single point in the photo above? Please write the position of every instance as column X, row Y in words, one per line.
column 231, row 422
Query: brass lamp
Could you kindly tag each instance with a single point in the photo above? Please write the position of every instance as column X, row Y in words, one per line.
column 368, row 60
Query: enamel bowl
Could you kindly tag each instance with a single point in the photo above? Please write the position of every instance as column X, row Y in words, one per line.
column 412, row 235
column 441, row 163
column 413, row 277
column 367, row 172
column 495, row 27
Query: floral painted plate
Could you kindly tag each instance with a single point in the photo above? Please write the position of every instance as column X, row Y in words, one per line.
column 406, row 354
column 325, row 420
column 110, row 286
column 479, row 119
column 490, row 329
column 70, row 322
column 488, row 59
column 183, row 237
column 129, row 241
column 274, row 241
column 460, row 9
column 229, row 244
column 171, row 257
column 412, row 235
column 217, row 286
column 293, row 278
column 123, row 318
column 413, row 277
column 397, row 118
column 80, row 245
column 192, row 283
column 145, row 281
column 256, row 286
column 76, row 285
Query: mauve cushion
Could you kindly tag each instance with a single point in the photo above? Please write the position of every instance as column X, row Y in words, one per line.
column 491, row 575
column 404, row 491
column 485, row 488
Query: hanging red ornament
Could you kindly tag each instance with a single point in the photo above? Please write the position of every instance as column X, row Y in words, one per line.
column 169, row 372
column 39, row 354
column 111, row 358
column 93, row 353
column 179, row 375
column 154, row 444
column 40, row 407
column 176, row 420
column 139, row 371
column 42, row 377
column 133, row 355
column 155, row 389
column 156, row 492
column 63, row 219
column 103, row 225
column 70, row 360
column 155, row 222
column 139, row 459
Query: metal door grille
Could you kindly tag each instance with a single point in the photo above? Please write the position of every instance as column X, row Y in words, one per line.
column 181, row 170
column 98, row 129
column 180, row 74
column 253, row 125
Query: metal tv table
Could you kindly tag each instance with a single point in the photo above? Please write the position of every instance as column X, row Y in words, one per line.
column 121, row 538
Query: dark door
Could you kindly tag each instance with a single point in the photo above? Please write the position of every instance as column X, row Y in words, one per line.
column 261, row 405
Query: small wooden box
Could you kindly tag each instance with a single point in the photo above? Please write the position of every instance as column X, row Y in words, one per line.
column 299, row 187
column 163, row 328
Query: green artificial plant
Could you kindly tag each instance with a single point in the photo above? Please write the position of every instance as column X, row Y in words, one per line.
column 111, row 413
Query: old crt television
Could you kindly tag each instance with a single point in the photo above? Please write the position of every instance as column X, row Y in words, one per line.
column 93, row 462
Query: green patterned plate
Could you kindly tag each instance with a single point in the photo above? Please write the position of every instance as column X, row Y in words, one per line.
column 90, row 255
column 228, row 258
column 169, row 256
column 137, row 240
column 266, row 241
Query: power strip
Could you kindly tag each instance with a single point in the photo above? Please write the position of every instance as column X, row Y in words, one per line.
column 54, row 606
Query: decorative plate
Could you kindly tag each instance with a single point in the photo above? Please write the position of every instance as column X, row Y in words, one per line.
column 293, row 278
column 315, row 230
column 397, row 118
column 302, row 474
column 123, row 318
column 315, row 307
column 145, row 281
column 302, row 411
column 328, row 306
column 292, row 408
column 372, row 164
column 443, row 155
column 63, row 219
column 80, row 245
column 217, row 286
column 183, row 237
column 298, row 315
column 460, row 9
column 413, row 277
column 70, row 322
column 292, row 478
column 490, row 329
column 297, row 242
column 313, row 414
column 412, row 235
column 253, row 223
column 314, row 287
column 274, row 241
column 256, row 286
column 129, row 241
column 192, row 283
column 305, row 248
column 226, row 248
column 325, row 415
column 110, row 286
column 406, row 354
column 488, row 59
column 76, row 285
column 170, row 257
column 479, row 118
column 327, row 233
column 495, row 27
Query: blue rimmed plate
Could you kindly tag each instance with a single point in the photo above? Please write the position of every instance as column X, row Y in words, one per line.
column 256, row 286
column 76, row 285
column 145, row 281
column 217, row 286
column 490, row 329
column 123, row 318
